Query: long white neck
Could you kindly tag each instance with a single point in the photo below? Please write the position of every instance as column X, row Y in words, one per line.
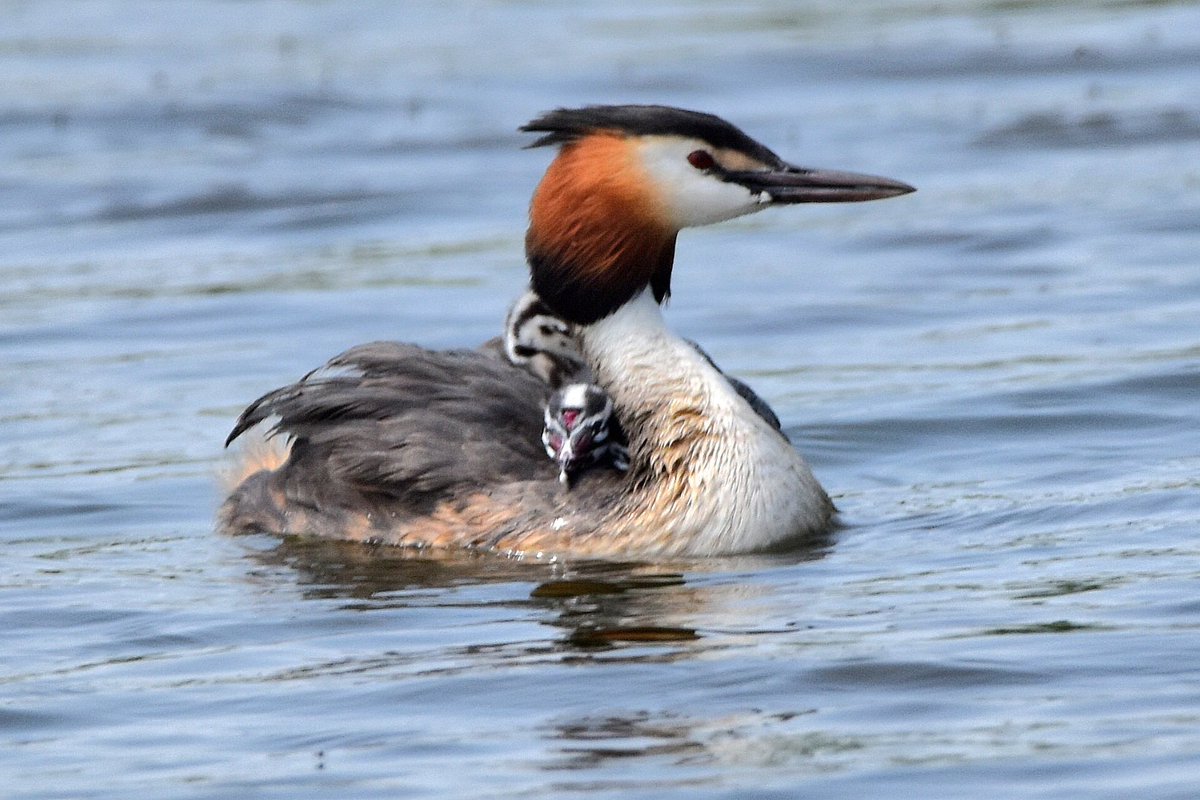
column 709, row 475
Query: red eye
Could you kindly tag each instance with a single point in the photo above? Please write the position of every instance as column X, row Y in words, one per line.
column 701, row 159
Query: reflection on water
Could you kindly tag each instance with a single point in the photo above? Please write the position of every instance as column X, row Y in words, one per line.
column 331, row 569
column 596, row 605
column 590, row 743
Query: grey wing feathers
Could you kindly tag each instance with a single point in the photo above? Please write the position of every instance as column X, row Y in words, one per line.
column 759, row 405
column 400, row 421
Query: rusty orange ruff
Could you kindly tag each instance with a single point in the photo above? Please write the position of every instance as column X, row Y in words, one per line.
column 596, row 225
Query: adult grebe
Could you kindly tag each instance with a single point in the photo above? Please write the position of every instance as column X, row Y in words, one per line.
column 401, row 445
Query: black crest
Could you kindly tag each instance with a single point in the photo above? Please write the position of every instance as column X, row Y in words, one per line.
column 565, row 125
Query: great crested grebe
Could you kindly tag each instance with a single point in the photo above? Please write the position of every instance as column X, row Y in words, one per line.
column 401, row 445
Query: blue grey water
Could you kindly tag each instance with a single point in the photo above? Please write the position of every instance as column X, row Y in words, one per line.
column 998, row 379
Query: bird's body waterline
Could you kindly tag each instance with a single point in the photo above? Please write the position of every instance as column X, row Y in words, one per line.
column 413, row 447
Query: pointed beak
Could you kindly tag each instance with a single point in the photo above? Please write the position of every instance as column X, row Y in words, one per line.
column 565, row 457
column 566, row 462
column 789, row 184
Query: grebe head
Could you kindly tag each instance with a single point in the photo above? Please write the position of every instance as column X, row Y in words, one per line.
column 627, row 179
column 579, row 429
column 541, row 342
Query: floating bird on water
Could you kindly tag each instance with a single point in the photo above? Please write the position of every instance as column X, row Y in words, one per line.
column 402, row 445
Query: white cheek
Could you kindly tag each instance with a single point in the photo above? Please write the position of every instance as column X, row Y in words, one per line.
column 691, row 196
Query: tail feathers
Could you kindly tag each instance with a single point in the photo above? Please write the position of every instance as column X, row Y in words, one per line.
column 251, row 505
column 258, row 455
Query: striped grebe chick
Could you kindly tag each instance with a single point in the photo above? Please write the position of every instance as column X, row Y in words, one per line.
column 537, row 340
column 402, row 445
column 581, row 431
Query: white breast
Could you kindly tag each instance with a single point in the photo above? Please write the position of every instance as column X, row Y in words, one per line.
column 729, row 481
